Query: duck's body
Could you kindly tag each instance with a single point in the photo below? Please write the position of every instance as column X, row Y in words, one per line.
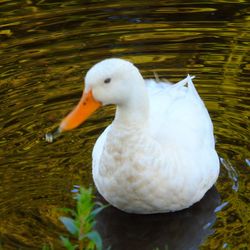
column 165, row 162
column 158, row 155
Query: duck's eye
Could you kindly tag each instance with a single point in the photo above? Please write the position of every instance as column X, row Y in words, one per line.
column 108, row 80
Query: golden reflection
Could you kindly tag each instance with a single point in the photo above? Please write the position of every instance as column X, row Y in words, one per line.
column 46, row 49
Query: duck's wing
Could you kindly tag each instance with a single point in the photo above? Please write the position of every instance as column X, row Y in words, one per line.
column 178, row 116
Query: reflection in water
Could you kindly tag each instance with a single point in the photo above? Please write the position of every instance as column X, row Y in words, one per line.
column 47, row 46
column 182, row 230
column 232, row 173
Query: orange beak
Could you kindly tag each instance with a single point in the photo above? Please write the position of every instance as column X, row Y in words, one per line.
column 86, row 106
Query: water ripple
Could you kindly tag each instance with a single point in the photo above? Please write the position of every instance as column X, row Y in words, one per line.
column 47, row 47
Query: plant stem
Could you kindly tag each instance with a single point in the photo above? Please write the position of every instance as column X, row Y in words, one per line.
column 81, row 245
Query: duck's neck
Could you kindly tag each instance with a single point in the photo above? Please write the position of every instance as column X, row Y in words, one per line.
column 134, row 113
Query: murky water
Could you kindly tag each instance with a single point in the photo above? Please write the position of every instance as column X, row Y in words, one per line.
column 47, row 46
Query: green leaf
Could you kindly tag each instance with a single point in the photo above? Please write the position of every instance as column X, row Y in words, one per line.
column 67, row 244
column 70, row 225
column 96, row 211
column 67, row 210
column 96, row 238
column 98, row 203
column 44, row 247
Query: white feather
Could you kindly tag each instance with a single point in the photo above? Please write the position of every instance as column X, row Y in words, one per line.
column 160, row 156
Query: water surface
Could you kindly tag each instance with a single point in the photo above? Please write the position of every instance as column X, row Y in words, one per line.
column 46, row 48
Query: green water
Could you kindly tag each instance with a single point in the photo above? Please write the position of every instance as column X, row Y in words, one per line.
column 46, row 47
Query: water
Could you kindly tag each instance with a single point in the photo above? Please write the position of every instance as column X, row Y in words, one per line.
column 46, row 48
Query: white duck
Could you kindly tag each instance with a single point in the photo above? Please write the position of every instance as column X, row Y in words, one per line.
column 158, row 155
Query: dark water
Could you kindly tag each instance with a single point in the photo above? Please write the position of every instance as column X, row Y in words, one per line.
column 45, row 49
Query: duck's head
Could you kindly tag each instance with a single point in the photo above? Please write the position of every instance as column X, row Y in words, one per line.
column 111, row 81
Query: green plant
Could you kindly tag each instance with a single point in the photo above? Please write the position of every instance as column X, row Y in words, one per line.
column 47, row 247
column 81, row 224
